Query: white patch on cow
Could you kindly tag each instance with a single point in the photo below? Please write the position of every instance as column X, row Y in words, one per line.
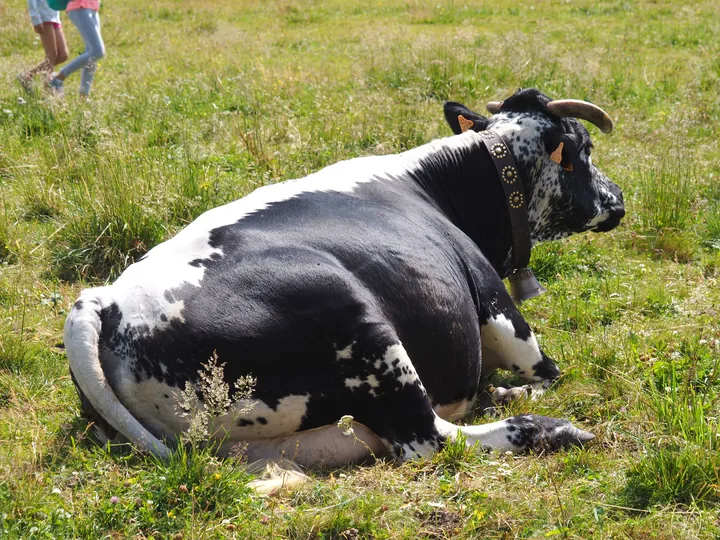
column 174, row 311
column 524, row 140
column 416, row 450
column 356, row 382
column 498, row 335
column 455, row 411
column 346, row 353
column 286, row 418
column 147, row 402
column 353, row 383
column 597, row 220
column 396, row 358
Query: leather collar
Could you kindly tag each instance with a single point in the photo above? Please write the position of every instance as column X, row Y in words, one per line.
column 515, row 201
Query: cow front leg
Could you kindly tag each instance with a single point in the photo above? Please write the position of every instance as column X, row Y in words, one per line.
column 390, row 399
column 509, row 343
column 518, row 433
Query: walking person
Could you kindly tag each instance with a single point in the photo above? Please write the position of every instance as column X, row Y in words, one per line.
column 84, row 15
column 46, row 22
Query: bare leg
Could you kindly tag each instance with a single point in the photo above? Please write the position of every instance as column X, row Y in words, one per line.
column 60, row 47
column 47, row 36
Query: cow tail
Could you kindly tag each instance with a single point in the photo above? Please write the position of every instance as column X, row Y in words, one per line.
column 82, row 337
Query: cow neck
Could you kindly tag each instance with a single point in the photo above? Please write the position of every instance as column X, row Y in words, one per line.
column 458, row 179
column 515, row 200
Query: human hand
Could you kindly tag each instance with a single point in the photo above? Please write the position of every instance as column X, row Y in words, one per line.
column 38, row 28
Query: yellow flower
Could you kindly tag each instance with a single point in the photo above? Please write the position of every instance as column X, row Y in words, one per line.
column 217, row 476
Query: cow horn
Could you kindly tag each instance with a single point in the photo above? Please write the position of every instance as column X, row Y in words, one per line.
column 494, row 107
column 584, row 110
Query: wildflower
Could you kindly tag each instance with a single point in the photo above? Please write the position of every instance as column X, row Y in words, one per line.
column 346, row 424
column 217, row 476
column 114, row 500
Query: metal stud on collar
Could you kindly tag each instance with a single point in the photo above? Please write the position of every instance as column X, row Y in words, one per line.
column 509, row 174
column 516, row 200
column 499, row 150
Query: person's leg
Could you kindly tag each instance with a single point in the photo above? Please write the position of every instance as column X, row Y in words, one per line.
column 86, row 22
column 96, row 49
column 60, row 46
column 47, row 37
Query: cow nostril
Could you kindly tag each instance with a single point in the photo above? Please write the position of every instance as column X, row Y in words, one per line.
column 619, row 212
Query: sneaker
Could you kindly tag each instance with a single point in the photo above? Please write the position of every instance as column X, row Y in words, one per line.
column 26, row 81
column 56, row 86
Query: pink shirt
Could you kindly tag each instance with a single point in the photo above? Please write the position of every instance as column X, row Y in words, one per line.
column 79, row 4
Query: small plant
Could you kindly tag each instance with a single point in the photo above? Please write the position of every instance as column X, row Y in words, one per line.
column 210, row 399
column 457, row 455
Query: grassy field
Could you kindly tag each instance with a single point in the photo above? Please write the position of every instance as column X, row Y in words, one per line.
column 198, row 103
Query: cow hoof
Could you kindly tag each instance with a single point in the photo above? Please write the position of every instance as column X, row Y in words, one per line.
column 503, row 396
column 542, row 433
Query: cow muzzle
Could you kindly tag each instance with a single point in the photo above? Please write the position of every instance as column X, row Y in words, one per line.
column 612, row 219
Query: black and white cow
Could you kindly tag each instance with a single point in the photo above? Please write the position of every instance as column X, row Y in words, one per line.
column 371, row 288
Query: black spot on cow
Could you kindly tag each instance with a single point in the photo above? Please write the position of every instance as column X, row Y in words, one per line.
column 78, row 305
column 546, row 369
column 245, row 422
column 521, row 431
column 261, row 420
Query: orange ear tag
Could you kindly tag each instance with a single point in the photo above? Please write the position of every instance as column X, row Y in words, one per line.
column 556, row 156
column 465, row 124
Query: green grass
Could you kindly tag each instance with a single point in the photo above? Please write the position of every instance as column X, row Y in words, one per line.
column 197, row 104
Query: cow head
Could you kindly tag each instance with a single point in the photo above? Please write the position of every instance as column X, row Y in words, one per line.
column 566, row 192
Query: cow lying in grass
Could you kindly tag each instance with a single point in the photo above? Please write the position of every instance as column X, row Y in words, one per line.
column 371, row 288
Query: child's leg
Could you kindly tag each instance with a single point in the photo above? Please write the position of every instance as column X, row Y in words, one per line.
column 88, row 24
column 47, row 36
column 60, row 46
column 97, row 52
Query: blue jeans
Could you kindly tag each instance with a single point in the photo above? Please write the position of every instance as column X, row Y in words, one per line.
column 87, row 21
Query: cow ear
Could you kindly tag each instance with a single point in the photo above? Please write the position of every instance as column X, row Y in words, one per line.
column 453, row 112
column 558, row 146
